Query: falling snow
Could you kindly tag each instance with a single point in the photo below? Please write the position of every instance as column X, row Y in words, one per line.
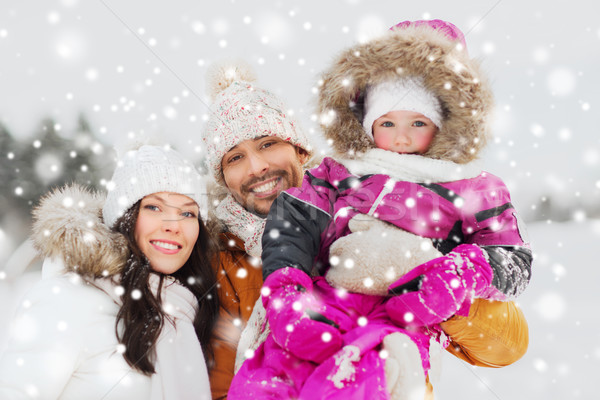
column 140, row 75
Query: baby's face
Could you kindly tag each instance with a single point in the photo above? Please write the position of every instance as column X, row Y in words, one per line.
column 404, row 132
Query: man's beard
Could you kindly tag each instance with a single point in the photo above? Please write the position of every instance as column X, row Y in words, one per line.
column 288, row 180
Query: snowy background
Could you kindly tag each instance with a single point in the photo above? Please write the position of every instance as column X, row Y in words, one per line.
column 137, row 68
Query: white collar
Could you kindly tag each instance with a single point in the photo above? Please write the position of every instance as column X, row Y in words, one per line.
column 410, row 167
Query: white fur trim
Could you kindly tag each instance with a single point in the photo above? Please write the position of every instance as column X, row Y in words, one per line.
column 404, row 373
column 410, row 167
column 52, row 267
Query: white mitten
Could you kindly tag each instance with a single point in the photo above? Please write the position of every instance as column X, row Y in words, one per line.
column 375, row 255
column 404, row 375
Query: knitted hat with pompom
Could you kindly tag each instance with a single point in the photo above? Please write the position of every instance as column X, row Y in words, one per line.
column 242, row 111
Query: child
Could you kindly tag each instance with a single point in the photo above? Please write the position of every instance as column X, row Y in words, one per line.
column 425, row 108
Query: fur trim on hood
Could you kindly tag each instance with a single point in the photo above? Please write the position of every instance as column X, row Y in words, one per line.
column 464, row 93
column 68, row 225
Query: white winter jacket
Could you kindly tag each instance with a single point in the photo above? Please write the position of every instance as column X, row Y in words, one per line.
column 63, row 345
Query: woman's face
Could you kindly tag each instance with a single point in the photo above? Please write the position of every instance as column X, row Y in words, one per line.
column 166, row 230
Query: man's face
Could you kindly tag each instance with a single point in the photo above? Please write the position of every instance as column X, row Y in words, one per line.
column 257, row 170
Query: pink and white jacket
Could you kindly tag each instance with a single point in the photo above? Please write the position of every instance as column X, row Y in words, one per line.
column 449, row 203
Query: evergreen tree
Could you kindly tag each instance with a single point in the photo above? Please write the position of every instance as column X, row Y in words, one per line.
column 9, row 165
column 29, row 169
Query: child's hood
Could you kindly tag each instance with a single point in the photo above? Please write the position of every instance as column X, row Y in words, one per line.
column 446, row 69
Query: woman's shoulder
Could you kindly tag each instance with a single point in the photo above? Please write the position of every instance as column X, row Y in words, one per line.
column 67, row 299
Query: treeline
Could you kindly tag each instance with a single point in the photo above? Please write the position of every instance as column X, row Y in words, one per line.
column 30, row 168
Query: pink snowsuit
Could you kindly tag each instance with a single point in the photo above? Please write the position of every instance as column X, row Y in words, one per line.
column 275, row 373
column 470, row 220
column 466, row 210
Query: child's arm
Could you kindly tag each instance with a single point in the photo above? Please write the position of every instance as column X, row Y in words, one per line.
column 297, row 319
column 438, row 289
column 495, row 333
column 476, row 211
column 493, row 260
column 496, row 227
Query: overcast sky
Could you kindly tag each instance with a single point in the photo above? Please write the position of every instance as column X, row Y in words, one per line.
column 138, row 67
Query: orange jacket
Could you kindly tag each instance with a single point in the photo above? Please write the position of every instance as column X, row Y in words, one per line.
column 239, row 284
column 495, row 334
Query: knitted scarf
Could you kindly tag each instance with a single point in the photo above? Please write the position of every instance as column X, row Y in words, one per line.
column 242, row 223
column 410, row 167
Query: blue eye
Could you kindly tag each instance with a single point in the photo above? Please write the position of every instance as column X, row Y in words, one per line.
column 151, row 207
column 419, row 123
column 188, row 214
column 388, row 124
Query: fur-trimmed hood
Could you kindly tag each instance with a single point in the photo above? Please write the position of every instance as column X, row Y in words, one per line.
column 419, row 51
column 68, row 224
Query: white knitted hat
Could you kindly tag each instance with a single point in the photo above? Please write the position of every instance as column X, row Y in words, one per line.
column 403, row 94
column 242, row 111
column 147, row 170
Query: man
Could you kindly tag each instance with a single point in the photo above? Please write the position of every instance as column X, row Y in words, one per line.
column 255, row 151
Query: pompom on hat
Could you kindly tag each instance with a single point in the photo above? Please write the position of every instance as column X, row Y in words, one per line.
column 148, row 170
column 450, row 31
column 242, row 111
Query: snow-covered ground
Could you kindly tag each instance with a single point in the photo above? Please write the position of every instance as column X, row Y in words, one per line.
column 561, row 306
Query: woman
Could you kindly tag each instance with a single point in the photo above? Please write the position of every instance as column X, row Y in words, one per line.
column 126, row 305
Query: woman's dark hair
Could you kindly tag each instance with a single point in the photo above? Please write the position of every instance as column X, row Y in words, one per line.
column 143, row 318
